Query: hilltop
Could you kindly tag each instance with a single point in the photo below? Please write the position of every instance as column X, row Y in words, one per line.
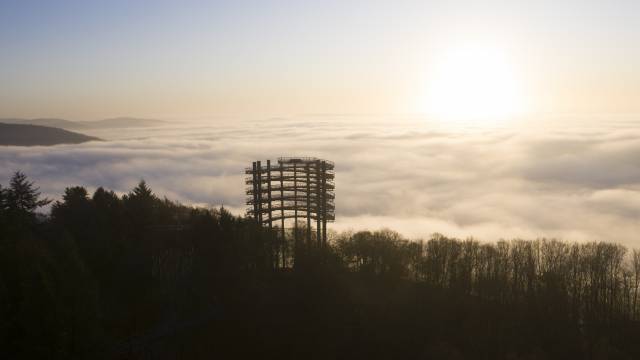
column 34, row 135
column 111, row 123
column 109, row 276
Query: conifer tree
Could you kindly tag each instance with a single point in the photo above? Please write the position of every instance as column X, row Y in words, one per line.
column 22, row 196
column 3, row 199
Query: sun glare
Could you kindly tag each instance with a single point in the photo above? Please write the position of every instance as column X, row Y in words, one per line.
column 473, row 83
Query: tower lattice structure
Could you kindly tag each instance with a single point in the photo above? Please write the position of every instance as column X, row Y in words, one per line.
column 295, row 188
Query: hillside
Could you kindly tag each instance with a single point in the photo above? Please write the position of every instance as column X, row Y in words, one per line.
column 137, row 276
column 33, row 135
column 122, row 122
column 111, row 123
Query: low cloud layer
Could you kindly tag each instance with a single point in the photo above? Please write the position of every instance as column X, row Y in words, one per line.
column 576, row 182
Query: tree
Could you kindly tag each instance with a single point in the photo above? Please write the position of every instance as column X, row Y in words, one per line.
column 140, row 206
column 636, row 281
column 75, row 200
column 3, row 209
column 22, row 196
column 108, row 207
column 142, row 191
column 3, row 199
column 75, row 194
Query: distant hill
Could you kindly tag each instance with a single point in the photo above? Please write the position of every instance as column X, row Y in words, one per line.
column 51, row 122
column 122, row 122
column 34, row 135
column 112, row 123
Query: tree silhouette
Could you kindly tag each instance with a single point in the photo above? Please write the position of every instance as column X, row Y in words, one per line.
column 136, row 276
column 22, row 196
column 3, row 200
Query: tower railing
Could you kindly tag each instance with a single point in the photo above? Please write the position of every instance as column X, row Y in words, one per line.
column 294, row 188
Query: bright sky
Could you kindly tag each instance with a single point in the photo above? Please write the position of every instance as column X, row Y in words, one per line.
column 93, row 59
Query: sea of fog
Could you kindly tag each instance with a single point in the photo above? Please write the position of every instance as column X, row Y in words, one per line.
column 568, row 178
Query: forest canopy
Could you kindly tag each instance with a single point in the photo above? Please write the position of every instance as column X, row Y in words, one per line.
column 104, row 276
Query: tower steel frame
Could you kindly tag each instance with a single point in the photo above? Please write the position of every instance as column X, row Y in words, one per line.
column 297, row 188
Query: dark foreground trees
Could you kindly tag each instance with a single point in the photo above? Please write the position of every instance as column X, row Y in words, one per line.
column 136, row 276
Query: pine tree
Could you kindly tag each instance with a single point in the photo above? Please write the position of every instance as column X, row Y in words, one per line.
column 142, row 191
column 75, row 209
column 22, row 196
column 141, row 206
column 3, row 199
column 75, row 194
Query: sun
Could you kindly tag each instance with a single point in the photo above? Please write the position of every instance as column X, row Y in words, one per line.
column 473, row 83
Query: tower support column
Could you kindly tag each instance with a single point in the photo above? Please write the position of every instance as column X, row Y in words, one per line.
column 308, row 204
column 324, row 203
column 282, row 237
column 295, row 204
column 318, row 205
column 259, row 166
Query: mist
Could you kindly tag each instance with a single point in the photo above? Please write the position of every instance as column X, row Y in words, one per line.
column 578, row 181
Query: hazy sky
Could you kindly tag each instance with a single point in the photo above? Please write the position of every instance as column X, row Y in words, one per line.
column 92, row 59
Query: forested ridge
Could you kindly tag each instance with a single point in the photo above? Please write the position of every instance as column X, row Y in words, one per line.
column 35, row 135
column 103, row 276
